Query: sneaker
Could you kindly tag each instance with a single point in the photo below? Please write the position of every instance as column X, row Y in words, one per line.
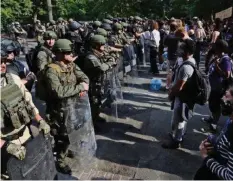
column 213, row 127
column 171, row 144
column 65, row 169
column 70, row 154
column 208, row 120
column 170, row 135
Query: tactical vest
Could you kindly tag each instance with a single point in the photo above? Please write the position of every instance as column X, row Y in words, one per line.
column 16, row 111
column 95, row 76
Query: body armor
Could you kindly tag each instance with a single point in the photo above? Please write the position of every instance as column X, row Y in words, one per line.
column 15, row 110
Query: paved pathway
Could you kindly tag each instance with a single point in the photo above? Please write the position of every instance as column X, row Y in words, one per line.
column 130, row 146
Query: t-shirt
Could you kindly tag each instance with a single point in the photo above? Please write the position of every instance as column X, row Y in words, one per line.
column 214, row 77
column 172, row 44
column 185, row 71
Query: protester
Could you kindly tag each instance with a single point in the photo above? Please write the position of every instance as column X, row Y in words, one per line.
column 217, row 151
column 219, row 74
column 182, row 110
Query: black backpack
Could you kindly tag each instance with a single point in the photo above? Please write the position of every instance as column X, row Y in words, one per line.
column 197, row 88
column 32, row 56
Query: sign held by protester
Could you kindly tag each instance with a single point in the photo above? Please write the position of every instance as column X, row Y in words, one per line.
column 227, row 13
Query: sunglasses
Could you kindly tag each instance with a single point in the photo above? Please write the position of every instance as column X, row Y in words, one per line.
column 68, row 53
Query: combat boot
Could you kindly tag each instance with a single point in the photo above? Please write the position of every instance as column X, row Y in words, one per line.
column 63, row 168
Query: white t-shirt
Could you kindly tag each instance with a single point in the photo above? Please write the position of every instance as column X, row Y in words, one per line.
column 155, row 35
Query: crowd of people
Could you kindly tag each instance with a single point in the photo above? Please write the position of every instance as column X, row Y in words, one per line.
column 73, row 61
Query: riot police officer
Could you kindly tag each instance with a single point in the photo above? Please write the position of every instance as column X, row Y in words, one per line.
column 74, row 35
column 20, row 36
column 95, row 66
column 17, row 111
column 64, row 82
column 39, row 29
column 45, row 55
column 118, row 40
column 16, row 67
column 61, row 29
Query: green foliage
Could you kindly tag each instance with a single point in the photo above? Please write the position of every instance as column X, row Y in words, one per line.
column 12, row 10
column 25, row 10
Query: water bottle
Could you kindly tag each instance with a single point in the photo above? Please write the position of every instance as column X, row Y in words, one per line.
column 155, row 84
column 165, row 56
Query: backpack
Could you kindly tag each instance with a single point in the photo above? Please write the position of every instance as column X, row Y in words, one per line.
column 40, row 87
column 31, row 58
column 229, row 81
column 197, row 88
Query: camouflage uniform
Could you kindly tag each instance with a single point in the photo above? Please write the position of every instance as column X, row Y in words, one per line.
column 118, row 39
column 62, row 82
column 39, row 29
column 61, row 29
column 95, row 65
column 45, row 55
column 52, row 26
column 17, row 111
column 20, row 36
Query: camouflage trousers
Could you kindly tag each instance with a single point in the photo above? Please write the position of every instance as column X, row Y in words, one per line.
column 95, row 102
column 61, row 141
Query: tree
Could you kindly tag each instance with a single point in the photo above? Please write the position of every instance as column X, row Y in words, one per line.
column 12, row 10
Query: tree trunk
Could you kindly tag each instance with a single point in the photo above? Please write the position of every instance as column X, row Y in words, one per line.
column 35, row 16
column 50, row 11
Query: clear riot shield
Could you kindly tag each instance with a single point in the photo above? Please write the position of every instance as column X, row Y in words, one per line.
column 132, row 79
column 78, row 122
column 112, row 96
column 38, row 164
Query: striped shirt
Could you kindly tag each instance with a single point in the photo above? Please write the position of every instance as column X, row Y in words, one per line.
column 222, row 163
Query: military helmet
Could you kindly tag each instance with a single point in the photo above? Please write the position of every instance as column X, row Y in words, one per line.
column 131, row 18
column 60, row 20
column 106, row 26
column 137, row 18
column 62, row 45
column 49, row 35
column 109, row 17
column 117, row 27
column 101, row 31
column 98, row 40
column 107, row 21
column 17, row 23
column 70, row 20
column 37, row 21
column 97, row 23
column 10, row 48
column 52, row 22
column 3, row 54
column 74, row 26
column 125, row 25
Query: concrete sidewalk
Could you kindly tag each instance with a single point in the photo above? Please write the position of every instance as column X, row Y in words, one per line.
column 130, row 146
